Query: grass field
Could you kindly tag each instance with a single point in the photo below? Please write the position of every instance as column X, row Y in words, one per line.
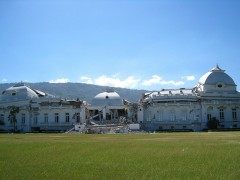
column 120, row 156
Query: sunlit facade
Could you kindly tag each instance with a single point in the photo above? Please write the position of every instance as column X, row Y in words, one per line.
column 215, row 96
column 38, row 111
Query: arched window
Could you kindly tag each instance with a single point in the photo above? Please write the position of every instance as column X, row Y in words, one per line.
column 209, row 113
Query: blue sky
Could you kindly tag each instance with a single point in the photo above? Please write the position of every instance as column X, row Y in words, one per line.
column 139, row 44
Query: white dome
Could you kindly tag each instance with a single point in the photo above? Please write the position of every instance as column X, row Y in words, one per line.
column 107, row 99
column 20, row 92
column 216, row 79
column 215, row 76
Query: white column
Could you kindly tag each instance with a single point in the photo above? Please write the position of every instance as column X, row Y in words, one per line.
column 83, row 114
column 104, row 113
column 140, row 114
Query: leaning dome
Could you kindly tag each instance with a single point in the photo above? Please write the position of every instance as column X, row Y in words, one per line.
column 20, row 89
column 107, row 99
column 19, row 92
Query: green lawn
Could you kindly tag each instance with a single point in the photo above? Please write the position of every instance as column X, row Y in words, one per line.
column 130, row 156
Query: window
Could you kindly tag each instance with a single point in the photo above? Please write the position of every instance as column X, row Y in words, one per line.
column 11, row 120
column 234, row 114
column 184, row 115
column 1, row 119
column 209, row 116
column 148, row 116
column 35, row 118
column 46, row 118
column 209, row 113
column 159, row 116
column 67, row 117
column 78, row 117
column 196, row 117
column 172, row 116
column 23, row 118
column 220, row 85
column 56, row 117
column 221, row 113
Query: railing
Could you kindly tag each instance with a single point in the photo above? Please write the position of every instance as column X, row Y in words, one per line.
column 53, row 124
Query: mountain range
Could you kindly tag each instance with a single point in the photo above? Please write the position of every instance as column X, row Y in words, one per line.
column 85, row 92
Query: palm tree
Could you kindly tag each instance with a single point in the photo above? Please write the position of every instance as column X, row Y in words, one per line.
column 13, row 116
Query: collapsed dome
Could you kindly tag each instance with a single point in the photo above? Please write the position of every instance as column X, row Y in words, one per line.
column 216, row 80
column 107, row 99
column 20, row 92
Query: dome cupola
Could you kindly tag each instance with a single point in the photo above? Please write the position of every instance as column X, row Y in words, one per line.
column 20, row 92
column 216, row 80
column 107, row 99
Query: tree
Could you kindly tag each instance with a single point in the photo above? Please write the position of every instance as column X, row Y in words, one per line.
column 13, row 116
column 213, row 123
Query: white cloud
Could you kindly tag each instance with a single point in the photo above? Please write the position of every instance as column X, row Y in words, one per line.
column 4, row 80
column 188, row 78
column 113, row 81
column 86, row 80
column 61, row 80
column 154, row 80
column 159, row 80
column 129, row 82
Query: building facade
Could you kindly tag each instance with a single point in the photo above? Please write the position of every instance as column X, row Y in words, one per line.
column 215, row 96
column 38, row 111
column 107, row 107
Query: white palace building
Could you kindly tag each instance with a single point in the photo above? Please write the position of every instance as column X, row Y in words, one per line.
column 215, row 96
column 38, row 111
